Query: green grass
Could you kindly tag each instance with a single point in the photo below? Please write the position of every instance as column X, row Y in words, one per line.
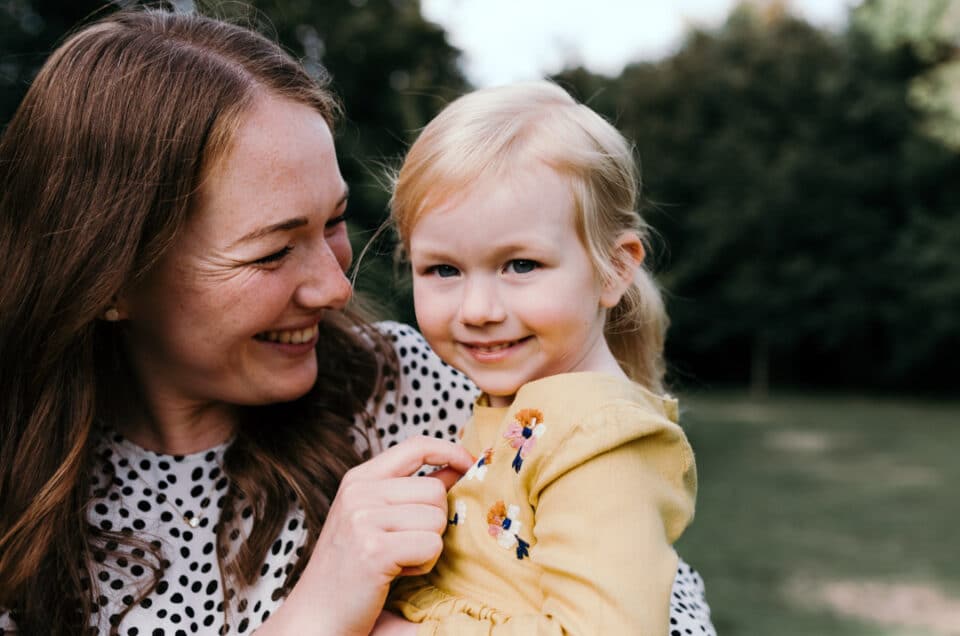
column 800, row 491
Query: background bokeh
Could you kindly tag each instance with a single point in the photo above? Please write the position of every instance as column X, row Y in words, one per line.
column 804, row 185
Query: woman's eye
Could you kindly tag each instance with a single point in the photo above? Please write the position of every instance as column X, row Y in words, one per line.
column 443, row 271
column 521, row 266
column 275, row 257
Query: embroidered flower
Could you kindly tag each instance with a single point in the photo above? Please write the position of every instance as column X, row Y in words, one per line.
column 523, row 432
column 479, row 469
column 459, row 513
column 503, row 525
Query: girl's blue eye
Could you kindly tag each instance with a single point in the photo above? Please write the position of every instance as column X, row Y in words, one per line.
column 275, row 257
column 522, row 266
column 444, row 271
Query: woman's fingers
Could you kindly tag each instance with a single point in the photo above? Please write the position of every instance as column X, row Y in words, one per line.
column 410, row 517
column 447, row 476
column 414, row 550
column 408, row 456
column 382, row 523
column 391, row 553
column 401, row 490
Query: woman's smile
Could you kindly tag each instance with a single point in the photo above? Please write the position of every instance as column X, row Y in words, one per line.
column 291, row 336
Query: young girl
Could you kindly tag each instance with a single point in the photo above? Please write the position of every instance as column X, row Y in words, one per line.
column 517, row 209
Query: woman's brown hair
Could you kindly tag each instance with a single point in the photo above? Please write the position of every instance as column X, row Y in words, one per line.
column 98, row 170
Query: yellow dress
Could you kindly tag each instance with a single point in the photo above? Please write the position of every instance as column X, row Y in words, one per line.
column 565, row 523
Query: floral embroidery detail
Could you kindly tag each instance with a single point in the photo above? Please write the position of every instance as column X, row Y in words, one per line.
column 523, row 432
column 479, row 469
column 503, row 525
column 459, row 513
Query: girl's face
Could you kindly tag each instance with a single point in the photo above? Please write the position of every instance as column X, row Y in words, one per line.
column 230, row 314
column 504, row 289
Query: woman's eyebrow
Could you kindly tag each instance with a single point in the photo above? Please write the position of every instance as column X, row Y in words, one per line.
column 285, row 225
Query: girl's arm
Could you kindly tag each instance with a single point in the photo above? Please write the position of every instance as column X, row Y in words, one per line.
column 604, row 529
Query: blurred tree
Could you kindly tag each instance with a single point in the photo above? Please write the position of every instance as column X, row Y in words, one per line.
column 782, row 167
column 927, row 250
column 29, row 30
column 932, row 29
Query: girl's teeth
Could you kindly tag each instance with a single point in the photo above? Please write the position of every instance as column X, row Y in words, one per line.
column 495, row 347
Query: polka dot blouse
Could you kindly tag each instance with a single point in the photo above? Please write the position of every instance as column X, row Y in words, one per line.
column 173, row 501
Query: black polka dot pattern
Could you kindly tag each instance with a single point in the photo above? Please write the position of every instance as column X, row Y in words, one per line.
column 689, row 611
column 148, row 494
column 429, row 398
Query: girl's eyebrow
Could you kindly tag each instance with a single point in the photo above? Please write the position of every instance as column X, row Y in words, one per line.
column 286, row 225
column 432, row 253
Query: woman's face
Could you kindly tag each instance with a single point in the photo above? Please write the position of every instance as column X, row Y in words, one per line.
column 230, row 314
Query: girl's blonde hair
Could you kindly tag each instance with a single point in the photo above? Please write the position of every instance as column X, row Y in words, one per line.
column 495, row 131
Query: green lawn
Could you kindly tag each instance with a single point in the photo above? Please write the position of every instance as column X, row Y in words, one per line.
column 807, row 498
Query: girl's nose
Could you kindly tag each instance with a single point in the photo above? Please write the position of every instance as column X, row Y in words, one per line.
column 325, row 285
column 481, row 304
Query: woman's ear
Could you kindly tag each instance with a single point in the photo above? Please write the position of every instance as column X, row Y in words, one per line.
column 626, row 257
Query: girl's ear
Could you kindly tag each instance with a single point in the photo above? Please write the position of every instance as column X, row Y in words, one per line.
column 626, row 257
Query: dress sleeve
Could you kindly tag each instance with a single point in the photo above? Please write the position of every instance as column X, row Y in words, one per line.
column 610, row 499
column 428, row 397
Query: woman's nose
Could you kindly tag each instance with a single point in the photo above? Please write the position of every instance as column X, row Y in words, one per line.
column 481, row 304
column 325, row 283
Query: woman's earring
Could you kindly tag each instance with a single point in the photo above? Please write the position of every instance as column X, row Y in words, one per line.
column 111, row 315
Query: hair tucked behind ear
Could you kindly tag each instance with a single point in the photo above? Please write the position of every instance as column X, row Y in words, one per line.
column 498, row 130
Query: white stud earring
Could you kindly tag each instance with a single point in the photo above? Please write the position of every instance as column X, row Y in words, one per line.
column 111, row 315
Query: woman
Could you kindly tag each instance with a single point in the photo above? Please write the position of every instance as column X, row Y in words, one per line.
column 187, row 401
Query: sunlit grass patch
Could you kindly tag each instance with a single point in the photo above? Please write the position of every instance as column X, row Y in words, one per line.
column 824, row 489
column 901, row 607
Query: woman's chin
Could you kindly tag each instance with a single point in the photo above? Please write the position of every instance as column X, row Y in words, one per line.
column 285, row 386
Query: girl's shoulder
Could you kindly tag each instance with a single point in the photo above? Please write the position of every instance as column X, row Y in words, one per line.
column 426, row 396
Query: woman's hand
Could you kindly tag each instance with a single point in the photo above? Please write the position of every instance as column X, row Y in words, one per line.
column 383, row 523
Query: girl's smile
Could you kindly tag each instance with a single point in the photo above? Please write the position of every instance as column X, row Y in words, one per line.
column 491, row 352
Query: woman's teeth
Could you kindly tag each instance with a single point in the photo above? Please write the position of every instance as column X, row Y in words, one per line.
column 294, row 336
